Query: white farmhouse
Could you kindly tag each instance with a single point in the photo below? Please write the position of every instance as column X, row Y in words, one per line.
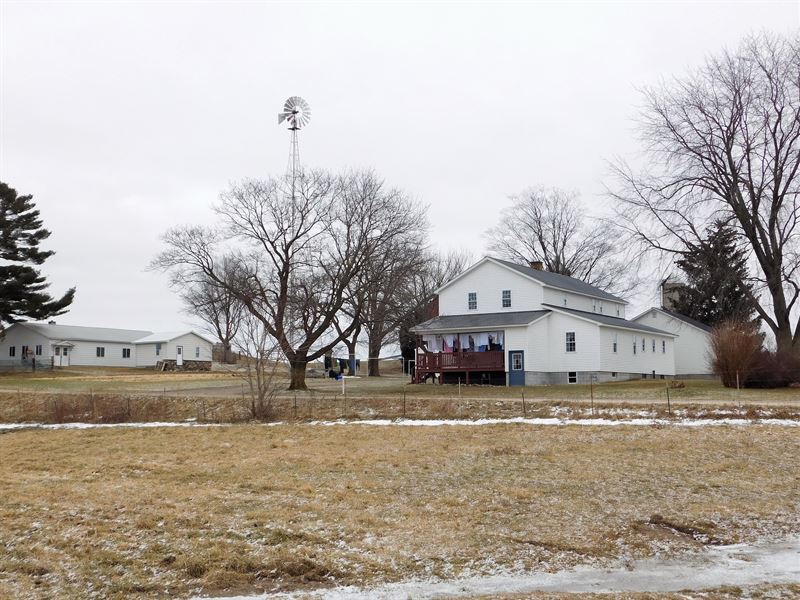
column 693, row 344
column 70, row 345
column 503, row 323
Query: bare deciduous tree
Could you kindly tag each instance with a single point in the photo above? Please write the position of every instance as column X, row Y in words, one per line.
column 299, row 246
column 548, row 226
column 216, row 306
column 724, row 143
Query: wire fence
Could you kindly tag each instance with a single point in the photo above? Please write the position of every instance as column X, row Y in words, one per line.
column 105, row 407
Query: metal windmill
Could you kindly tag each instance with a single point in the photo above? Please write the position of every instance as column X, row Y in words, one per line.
column 297, row 113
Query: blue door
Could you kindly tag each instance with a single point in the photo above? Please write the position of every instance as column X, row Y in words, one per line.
column 516, row 367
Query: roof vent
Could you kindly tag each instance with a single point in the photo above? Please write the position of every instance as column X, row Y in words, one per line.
column 537, row 265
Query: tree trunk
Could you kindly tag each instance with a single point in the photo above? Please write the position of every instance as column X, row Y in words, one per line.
column 298, row 373
column 373, row 364
column 227, row 354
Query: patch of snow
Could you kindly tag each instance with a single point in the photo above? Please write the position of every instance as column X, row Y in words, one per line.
column 739, row 565
column 542, row 421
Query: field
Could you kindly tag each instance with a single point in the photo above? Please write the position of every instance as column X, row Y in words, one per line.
column 147, row 513
column 223, row 396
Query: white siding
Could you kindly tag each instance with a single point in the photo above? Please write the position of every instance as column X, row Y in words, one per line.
column 85, row 354
column 585, row 357
column 692, row 345
column 18, row 336
column 488, row 280
column 625, row 361
column 189, row 342
column 585, row 303
column 146, row 355
column 169, row 350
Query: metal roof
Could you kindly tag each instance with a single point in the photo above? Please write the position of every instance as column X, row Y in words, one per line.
column 168, row 336
column 609, row 320
column 54, row 331
column 562, row 282
column 479, row 321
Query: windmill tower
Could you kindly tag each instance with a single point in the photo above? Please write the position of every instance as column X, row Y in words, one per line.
column 297, row 113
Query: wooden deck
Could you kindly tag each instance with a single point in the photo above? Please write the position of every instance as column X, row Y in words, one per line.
column 441, row 362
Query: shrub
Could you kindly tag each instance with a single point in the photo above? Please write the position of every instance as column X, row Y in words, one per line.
column 735, row 346
column 772, row 370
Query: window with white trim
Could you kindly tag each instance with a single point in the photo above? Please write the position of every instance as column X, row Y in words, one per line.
column 614, row 344
column 506, row 298
column 12, row 350
column 594, row 305
column 570, row 341
column 126, row 353
column 601, row 307
column 572, row 377
column 644, row 345
column 472, row 300
column 663, row 346
column 654, row 344
column 617, row 310
column 101, row 351
column 158, row 348
column 565, row 300
column 634, row 344
column 197, row 352
column 38, row 349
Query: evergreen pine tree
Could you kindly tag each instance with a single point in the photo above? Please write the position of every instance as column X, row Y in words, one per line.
column 22, row 287
column 716, row 273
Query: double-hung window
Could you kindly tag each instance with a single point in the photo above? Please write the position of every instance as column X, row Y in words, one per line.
column 654, row 345
column 158, row 348
column 38, row 349
column 634, row 345
column 644, row 345
column 197, row 351
column 101, row 351
column 614, row 344
column 472, row 300
column 570, row 341
column 12, row 350
column 506, row 298
column 126, row 353
column 663, row 346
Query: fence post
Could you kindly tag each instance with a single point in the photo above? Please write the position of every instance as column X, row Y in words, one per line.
column 295, row 406
column 404, row 404
column 669, row 407
column 524, row 408
column 591, row 392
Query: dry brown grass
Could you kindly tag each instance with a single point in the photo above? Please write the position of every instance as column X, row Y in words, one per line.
column 147, row 513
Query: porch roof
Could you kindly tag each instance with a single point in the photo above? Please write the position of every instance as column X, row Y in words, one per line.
column 476, row 322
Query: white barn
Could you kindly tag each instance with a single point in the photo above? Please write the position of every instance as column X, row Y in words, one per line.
column 500, row 322
column 70, row 345
column 693, row 344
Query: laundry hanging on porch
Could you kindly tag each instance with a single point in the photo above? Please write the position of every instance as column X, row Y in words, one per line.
column 432, row 343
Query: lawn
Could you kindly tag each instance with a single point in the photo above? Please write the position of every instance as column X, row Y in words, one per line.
column 146, row 513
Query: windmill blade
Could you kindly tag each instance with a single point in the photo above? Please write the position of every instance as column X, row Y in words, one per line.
column 281, row 118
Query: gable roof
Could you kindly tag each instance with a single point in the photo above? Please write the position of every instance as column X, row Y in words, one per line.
column 479, row 321
column 546, row 278
column 168, row 336
column 608, row 320
column 54, row 331
column 675, row 315
column 561, row 282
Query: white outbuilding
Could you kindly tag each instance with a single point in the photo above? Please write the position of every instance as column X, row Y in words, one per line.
column 692, row 344
column 71, row 345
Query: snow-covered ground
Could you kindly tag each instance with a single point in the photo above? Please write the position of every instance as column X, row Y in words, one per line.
column 545, row 422
column 736, row 565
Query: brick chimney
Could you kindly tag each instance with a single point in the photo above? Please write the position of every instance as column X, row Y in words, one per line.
column 537, row 264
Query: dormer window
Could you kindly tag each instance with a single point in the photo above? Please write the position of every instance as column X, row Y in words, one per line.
column 506, row 298
column 565, row 300
column 618, row 311
column 594, row 305
column 472, row 300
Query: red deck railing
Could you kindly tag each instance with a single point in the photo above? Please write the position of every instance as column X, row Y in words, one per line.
column 491, row 360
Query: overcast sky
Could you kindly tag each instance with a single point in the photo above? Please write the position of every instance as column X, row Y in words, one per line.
column 123, row 119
